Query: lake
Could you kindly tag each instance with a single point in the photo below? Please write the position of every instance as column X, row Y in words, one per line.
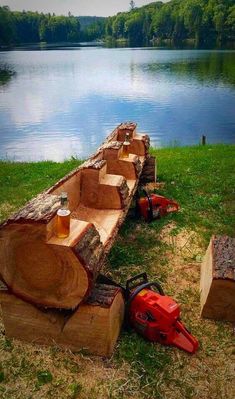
column 59, row 103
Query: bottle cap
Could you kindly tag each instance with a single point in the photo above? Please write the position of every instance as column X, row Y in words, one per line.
column 63, row 197
column 127, row 138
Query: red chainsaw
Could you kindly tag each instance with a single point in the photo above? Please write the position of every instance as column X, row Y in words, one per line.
column 155, row 315
column 154, row 206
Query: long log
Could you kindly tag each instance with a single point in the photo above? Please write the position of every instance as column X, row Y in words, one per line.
column 218, row 280
column 53, row 272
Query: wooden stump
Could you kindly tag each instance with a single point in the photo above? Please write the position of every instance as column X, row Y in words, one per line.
column 218, row 280
column 94, row 326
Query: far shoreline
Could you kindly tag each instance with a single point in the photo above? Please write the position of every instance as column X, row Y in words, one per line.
column 112, row 45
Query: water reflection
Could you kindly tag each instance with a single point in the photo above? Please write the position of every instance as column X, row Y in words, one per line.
column 211, row 68
column 5, row 75
column 64, row 103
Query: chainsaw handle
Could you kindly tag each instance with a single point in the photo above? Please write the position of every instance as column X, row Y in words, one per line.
column 139, row 276
column 141, row 288
column 150, row 205
column 130, row 298
column 150, row 211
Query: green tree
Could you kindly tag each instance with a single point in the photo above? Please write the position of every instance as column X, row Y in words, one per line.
column 163, row 23
column 6, row 26
column 219, row 19
column 134, row 29
column 231, row 20
column 132, row 5
column 108, row 27
column 118, row 26
column 193, row 13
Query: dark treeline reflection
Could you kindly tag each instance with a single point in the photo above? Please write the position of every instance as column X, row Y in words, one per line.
column 211, row 68
column 5, row 76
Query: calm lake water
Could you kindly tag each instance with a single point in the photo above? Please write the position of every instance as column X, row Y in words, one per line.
column 64, row 102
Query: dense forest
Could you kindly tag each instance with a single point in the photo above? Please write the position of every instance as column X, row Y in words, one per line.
column 198, row 22
column 32, row 27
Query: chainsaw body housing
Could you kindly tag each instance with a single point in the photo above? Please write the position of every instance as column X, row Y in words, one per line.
column 154, row 206
column 157, row 318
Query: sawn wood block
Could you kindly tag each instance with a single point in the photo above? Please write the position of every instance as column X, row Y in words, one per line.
column 218, row 280
column 93, row 326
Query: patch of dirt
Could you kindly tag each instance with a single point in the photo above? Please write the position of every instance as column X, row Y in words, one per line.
column 185, row 255
column 185, row 243
column 154, row 186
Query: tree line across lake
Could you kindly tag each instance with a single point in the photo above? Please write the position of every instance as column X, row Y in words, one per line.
column 199, row 22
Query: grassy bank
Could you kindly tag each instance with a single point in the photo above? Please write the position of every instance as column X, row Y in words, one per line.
column 201, row 179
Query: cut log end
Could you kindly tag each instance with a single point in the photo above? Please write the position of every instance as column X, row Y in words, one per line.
column 48, row 273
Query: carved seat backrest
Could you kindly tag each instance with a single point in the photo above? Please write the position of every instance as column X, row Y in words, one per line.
column 92, row 174
column 72, row 186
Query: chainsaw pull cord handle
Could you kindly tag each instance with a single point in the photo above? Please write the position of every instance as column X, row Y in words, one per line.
column 136, row 292
column 150, row 213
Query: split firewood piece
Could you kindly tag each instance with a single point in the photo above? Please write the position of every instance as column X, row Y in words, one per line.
column 218, row 280
column 94, row 326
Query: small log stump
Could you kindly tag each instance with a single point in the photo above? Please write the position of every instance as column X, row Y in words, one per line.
column 218, row 280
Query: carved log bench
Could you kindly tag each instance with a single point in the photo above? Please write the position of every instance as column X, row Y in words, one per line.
column 47, row 271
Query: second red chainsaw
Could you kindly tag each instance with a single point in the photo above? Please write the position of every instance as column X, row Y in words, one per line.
column 154, row 206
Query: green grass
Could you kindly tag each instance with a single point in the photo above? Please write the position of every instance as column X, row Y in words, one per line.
column 19, row 182
column 202, row 180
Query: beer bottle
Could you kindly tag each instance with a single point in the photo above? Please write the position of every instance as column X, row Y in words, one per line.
column 126, row 146
column 63, row 217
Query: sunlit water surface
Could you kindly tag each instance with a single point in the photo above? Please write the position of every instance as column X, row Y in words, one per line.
column 62, row 103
